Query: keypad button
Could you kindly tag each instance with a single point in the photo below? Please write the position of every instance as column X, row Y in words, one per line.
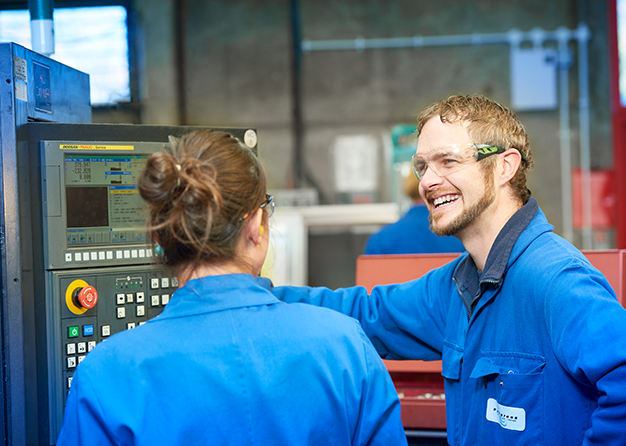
column 81, row 358
column 88, row 330
column 130, row 298
column 73, row 331
column 118, row 255
column 85, row 256
column 154, row 300
column 101, row 255
column 71, row 349
column 91, row 345
column 71, row 362
column 121, row 312
column 109, row 255
column 120, row 298
column 165, row 299
column 68, row 256
column 130, row 325
column 154, row 283
column 141, row 297
column 141, row 310
column 165, row 282
column 106, row 330
column 82, row 347
column 69, row 382
column 174, row 282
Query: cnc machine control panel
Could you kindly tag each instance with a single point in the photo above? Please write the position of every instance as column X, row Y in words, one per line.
column 101, row 273
column 88, row 269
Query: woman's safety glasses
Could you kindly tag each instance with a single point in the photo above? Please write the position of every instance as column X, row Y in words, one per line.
column 451, row 158
column 268, row 205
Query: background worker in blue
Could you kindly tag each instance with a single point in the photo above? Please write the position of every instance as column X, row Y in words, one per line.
column 411, row 234
column 226, row 363
column 530, row 334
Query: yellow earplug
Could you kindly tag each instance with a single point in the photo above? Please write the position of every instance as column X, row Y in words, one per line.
column 262, row 229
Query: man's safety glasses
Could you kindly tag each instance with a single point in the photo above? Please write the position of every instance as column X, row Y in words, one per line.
column 451, row 158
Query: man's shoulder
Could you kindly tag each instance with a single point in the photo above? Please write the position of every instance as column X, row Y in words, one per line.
column 549, row 254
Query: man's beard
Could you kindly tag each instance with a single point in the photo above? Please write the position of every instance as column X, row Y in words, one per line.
column 469, row 216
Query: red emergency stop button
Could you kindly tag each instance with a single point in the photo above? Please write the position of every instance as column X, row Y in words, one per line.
column 86, row 297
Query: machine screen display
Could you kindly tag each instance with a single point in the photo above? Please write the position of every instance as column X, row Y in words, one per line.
column 101, row 196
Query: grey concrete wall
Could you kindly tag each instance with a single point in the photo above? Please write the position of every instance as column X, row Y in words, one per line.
column 238, row 74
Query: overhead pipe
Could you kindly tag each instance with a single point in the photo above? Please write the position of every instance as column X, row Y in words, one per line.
column 513, row 38
column 41, row 26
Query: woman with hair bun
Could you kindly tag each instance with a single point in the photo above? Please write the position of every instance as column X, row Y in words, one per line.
column 226, row 362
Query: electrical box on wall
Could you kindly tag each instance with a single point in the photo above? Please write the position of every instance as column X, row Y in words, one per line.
column 533, row 79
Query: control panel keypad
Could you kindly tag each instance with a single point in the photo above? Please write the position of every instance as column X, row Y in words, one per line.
column 130, row 300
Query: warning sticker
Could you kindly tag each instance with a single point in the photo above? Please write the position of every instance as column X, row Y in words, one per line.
column 19, row 69
column 21, row 92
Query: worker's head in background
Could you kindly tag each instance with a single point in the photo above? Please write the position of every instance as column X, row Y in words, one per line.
column 487, row 123
column 411, row 187
column 207, row 202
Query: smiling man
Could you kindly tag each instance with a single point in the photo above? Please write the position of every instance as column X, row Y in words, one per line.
column 530, row 334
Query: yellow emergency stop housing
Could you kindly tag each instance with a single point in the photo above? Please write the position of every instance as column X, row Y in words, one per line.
column 76, row 284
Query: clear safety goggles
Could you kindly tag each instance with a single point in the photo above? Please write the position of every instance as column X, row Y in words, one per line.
column 451, row 158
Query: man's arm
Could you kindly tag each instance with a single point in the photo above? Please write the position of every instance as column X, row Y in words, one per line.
column 403, row 321
column 587, row 330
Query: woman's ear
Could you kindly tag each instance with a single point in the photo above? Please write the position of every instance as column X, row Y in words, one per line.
column 255, row 229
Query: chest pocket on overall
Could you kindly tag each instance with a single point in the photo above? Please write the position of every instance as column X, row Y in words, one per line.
column 512, row 388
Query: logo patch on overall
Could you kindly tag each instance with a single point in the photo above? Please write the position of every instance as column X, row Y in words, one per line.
column 512, row 418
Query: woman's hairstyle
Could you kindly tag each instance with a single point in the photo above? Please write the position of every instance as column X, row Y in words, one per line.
column 199, row 190
column 488, row 123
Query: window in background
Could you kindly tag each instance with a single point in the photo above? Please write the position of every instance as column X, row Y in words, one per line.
column 91, row 39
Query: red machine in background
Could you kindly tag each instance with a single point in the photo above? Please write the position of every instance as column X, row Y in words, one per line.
column 419, row 383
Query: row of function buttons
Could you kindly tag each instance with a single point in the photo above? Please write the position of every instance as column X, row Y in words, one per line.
column 75, row 238
column 164, row 282
column 155, row 300
column 120, row 254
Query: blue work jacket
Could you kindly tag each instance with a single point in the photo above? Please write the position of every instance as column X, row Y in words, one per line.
column 536, row 356
column 226, row 363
